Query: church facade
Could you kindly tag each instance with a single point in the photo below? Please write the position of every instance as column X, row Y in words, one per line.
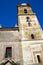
column 24, row 43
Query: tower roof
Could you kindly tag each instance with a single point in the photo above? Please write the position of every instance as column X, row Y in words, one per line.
column 24, row 5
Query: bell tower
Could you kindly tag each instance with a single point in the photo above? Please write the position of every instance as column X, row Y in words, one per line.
column 28, row 24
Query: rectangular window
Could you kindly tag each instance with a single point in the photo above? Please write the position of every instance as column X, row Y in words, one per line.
column 38, row 57
column 28, row 19
column 8, row 52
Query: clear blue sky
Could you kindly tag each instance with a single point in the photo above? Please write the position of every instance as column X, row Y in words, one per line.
column 8, row 11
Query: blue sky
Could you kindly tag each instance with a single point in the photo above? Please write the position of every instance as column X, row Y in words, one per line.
column 8, row 11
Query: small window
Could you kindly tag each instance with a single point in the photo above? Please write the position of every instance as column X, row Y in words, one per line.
column 29, row 24
column 38, row 57
column 8, row 52
column 32, row 36
column 25, row 10
column 27, row 19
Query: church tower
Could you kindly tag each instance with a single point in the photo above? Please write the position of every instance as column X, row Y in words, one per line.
column 28, row 24
column 30, row 34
